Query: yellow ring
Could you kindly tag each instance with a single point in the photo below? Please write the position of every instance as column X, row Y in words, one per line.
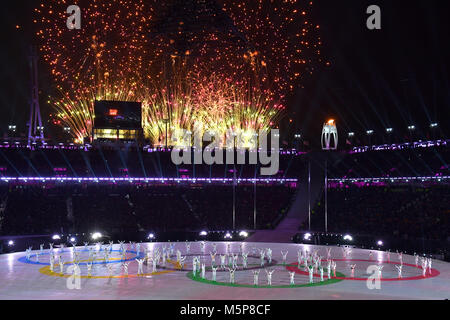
column 46, row 270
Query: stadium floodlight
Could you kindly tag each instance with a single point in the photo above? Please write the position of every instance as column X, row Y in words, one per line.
column 307, row 236
column 389, row 130
column 348, row 237
column 351, row 134
column 10, row 243
column 228, row 236
column 369, row 132
column 96, row 235
column 203, row 233
column 243, row 234
column 433, row 125
column 379, row 243
column 56, row 237
column 411, row 127
column 151, row 236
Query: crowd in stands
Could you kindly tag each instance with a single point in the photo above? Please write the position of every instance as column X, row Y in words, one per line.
column 401, row 211
column 392, row 163
column 405, row 211
column 46, row 209
column 120, row 162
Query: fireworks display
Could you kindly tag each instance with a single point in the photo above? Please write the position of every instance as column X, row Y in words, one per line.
column 214, row 65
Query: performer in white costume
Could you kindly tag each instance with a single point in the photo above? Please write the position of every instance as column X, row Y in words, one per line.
column 244, row 260
column 269, row 276
column 214, row 273
column 311, row 273
column 89, row 268
column 125, row 268
column 352, row 267
column 399, row 270
column 232, row 273
column 284, row 255
column 255, row 277
column 292, row 277
column 140, row 266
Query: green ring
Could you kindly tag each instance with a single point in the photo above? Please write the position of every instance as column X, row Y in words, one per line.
column 190, row 275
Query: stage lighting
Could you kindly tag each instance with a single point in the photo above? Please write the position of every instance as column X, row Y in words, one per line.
column 389, row 130
column 243, row 234
column 96, row 235
column 348, row 237
column 228, row 236
column 351, row 134
column 411, row 127
column 307, row 236
column 10, row 243
column 73, row 239
column 369, row 132
column 56, row 237
column 380, row 243
column 151, row 236
column 433, row 125
column 203, row 233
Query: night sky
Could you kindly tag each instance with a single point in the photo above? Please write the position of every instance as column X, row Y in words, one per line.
column 394, row 77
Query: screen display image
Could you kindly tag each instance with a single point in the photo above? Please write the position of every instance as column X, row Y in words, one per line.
column 117, row 114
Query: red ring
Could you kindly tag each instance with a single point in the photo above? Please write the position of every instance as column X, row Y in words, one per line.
column 434, row 272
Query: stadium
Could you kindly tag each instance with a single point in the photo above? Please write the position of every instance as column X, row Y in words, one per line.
column 93, row 205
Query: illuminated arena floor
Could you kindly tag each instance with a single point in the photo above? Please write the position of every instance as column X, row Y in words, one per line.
column 23, row 278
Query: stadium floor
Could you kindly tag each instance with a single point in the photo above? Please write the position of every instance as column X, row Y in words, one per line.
column 23, row 278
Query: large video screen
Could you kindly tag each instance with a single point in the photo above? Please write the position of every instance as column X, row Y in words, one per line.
column 117, row 114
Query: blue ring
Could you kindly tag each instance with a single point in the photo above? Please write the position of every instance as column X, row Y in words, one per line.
column 25, row 260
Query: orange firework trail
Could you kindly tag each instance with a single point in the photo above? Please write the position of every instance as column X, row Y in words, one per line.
column 111, row 41
column 228, row 65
